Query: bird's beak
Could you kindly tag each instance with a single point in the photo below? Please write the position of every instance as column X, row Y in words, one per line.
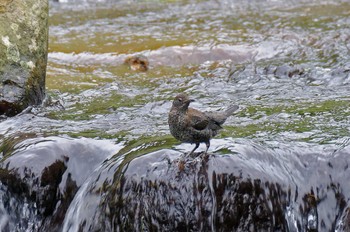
column 189, row 101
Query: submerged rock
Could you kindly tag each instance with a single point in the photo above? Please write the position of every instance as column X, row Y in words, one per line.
column 252, row 189
column 61, row 184
column 23, row 54
column 40, row 177
column 209, row 193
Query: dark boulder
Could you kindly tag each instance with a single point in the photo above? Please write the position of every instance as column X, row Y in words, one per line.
column 40, row 177
column 251, row 189
column 61, row 184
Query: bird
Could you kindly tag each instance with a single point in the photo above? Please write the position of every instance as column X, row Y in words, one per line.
column 190, row 125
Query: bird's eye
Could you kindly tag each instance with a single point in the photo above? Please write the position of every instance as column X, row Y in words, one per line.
column 180, row 99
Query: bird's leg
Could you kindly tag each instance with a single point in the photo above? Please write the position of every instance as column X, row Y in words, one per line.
column 197, row 145
column 208, row 145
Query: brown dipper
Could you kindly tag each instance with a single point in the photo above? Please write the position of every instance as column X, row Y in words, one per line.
column 193, row 126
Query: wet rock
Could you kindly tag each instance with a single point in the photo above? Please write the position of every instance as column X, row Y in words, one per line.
column 284, row 71
column 250, row 190
column 40, row 177
column 167, row 192
column 194, row 199
column 63, row 184
column 23, row 54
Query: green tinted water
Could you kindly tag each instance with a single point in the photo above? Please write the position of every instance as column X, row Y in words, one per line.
column 220, row 53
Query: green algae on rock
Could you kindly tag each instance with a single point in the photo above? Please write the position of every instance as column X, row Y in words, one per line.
column 23, row 52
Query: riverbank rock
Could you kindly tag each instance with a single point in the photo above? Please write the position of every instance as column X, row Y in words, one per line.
column 23, row 54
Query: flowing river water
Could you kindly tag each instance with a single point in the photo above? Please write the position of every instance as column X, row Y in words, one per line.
column 103, row 128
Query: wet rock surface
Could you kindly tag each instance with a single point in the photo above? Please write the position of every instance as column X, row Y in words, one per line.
column 251, row 189
column 40, row 177
column 285, row 71
column 23, row 54
column 64, row 184
column 203, row 194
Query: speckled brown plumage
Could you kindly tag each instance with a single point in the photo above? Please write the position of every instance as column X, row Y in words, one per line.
column 193, row 126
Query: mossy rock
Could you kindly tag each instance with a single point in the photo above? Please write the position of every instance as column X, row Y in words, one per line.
column 23, row 52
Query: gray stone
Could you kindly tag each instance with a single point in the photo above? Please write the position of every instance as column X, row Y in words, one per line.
column 23, row 54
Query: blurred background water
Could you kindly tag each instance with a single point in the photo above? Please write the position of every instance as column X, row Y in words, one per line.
column 285, row 64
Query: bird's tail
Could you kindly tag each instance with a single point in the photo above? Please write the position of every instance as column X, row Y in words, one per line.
column 218, row 118
column 231, row 110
